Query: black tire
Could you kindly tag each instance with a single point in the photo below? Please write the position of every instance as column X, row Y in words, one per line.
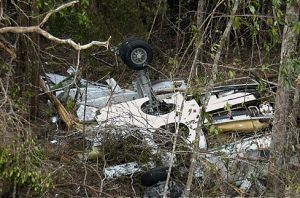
column 124, row 47
column 153, row 176
column 136, row 53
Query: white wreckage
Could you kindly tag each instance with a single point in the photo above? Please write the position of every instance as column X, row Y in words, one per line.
column 154, row 106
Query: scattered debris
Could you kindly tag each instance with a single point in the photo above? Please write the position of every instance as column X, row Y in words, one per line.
column 121, row 170
column 152, row 107
column 126, row 169
column 97, row 95
column 53, row 141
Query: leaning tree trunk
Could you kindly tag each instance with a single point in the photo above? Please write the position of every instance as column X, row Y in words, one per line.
column 218, row 54
column 27, row 62
column 21, row 48
column 35, row 64
column 200, row 23
column 195, row 153
column 280, row 132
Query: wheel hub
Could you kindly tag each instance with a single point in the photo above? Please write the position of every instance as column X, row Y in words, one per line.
column 139, row 56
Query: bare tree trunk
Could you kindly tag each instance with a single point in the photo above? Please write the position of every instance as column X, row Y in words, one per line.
column 199, row 22
column 195, row 154
column 21, row 49
column 295, row 116
column 36, row 64
column 283, row 98
column 28, row 64
column 93, row 6
column 178, row 28
column 154, row 20
column 1, row 9
column 222, row 42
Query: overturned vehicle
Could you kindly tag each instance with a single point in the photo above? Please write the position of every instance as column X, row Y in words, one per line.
column 161, row 113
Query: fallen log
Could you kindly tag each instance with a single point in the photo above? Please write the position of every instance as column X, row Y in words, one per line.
column 66, row 116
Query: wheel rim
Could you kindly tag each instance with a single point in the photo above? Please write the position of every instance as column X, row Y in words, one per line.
column 138, row 56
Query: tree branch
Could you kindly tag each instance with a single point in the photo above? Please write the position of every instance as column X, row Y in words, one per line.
column 8, row 50
column 57, row 10
column 71, row 42
column 219, row 51
column 1, row 10
column 47, row 35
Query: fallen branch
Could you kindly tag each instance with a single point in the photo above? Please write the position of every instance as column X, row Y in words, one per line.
column 47, row 35
column 64, row 114
column 37, row 29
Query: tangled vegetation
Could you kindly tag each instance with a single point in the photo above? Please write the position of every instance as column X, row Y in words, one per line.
column 207, row 42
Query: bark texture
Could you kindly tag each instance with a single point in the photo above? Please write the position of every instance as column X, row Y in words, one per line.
column 280, row 132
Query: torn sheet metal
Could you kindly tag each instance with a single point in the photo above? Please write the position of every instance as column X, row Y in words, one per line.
column 107, row 99
column 226, row 157
column 99, row 98
column 248, row 87
column 125, row 169
column 251, row 172
column 131, row 113
column 55, row 78
column 160, row 86
column 113, row 85
column 89, row 115
column 97, row 95
column 122, row 170
column 216, row 102
column 240, row 147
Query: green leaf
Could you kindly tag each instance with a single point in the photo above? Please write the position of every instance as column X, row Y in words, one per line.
column 261, row 87
column 227, row 107
column 85, row 3
column 256, row 25
column 70, row 104
column 296, row 27
column 270, row 21
column 265, row 68
column 231, row 74
column 277, row 3
column 214, row 48
column 173, row 61
column 275, row 36
column 252, row 9
column 236, row 23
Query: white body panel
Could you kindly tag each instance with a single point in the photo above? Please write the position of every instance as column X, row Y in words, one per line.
column 130, row 113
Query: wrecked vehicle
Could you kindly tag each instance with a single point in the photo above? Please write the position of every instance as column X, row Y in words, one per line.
column 162, row 108
column 92, row 96
column 246, row 114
